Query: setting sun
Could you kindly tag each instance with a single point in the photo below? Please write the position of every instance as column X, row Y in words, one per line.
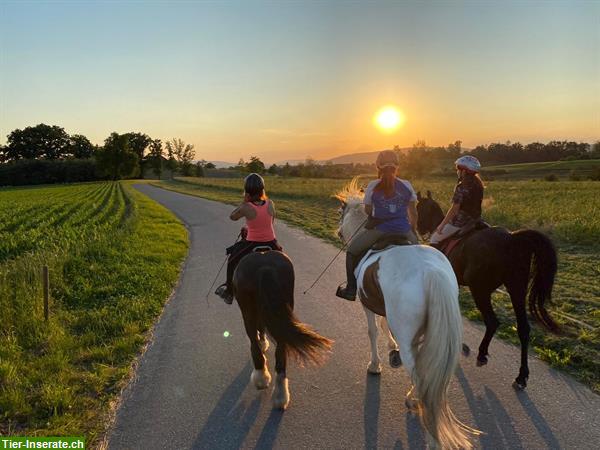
column 388, row 119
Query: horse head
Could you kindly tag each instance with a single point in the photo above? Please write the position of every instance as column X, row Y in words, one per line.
column 352, row 213
column 430, row 214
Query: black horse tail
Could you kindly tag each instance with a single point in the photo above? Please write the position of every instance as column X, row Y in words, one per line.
column 301, row 342
column 543, row 266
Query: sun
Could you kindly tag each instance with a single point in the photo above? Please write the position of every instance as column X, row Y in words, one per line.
column 388, row 119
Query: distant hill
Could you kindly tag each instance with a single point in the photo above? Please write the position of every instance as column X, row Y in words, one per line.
column 223, row 164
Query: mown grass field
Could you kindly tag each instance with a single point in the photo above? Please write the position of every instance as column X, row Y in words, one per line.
column 114, row 257
column 567, row 211
column 562, row 169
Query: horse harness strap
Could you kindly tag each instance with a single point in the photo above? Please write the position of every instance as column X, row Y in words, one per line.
column 370, row 293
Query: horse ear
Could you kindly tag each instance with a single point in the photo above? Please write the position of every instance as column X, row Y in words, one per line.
column 429, row 195
column 419, row 196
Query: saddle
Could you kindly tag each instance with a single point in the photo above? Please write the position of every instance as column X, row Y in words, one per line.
column 389, row 240
column 450, row 243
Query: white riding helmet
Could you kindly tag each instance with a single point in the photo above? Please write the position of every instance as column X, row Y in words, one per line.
column 468, row 163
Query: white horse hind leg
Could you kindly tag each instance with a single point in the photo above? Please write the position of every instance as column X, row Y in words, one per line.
column 375, row 364
column 393, row 353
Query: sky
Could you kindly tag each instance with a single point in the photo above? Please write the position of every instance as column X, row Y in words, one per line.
column 292, row 79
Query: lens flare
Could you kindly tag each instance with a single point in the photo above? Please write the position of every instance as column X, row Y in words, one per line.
column 226, row 334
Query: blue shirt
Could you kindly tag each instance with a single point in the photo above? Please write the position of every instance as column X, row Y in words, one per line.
column 393, row 210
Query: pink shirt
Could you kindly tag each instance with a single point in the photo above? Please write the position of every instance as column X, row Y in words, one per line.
column 260, row 229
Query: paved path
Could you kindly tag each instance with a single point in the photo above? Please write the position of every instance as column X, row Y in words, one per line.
column 192, row 388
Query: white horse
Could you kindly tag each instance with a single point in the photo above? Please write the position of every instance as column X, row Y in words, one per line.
column 420, row 295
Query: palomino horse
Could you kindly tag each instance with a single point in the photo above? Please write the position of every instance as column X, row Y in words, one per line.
column 420, row 300
column 263, row 284
column 489, row 258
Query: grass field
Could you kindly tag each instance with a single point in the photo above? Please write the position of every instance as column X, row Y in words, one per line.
column 114, row 257
column 567, row 211
column 561, row 169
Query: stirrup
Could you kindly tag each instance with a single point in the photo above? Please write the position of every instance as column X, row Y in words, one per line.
column 224, row 294
column 346, row 293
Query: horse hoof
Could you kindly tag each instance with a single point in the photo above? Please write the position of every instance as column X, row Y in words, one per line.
column 395, row 360
column 518, row 386
column 261, row 379
column 281, row 394
column 481, row 361
column 466, row 350
column 374, row 369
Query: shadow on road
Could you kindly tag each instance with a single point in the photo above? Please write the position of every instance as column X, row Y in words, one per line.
column 371, row 410
column 538, row 420
column 271, row 428
column 231, row 419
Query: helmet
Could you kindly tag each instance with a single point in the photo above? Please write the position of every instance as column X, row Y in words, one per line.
column 387, row 158
column 468, row 163
column 254, row 184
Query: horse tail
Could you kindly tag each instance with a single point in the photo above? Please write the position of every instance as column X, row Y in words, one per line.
column 542, row 254
column 300, row 341
column 437, row 359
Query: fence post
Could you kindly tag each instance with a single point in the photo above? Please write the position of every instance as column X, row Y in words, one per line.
column 46, row 281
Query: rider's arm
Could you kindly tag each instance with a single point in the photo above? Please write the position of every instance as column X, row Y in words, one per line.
column 239, row 212
column 413, row 215
column 272, row 209
column 453, row 211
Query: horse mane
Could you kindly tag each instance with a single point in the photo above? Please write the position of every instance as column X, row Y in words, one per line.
column 351, row 193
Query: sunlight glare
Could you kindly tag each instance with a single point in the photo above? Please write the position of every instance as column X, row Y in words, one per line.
column 388, row 119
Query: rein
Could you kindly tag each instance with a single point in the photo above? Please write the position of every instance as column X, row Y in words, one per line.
column 221, row 268
column 335, row 257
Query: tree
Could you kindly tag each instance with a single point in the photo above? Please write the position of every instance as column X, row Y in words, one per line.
column 199, row 169
column 138, row 143
column 80, row 147
column 116, row 159
column 209, row 165
column 255, row 165
column 155, row 157
column 41, row 141
column 273, row 169
column 183, row 153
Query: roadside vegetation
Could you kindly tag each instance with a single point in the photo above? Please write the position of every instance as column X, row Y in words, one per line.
column 114, row 257
column 565, row 210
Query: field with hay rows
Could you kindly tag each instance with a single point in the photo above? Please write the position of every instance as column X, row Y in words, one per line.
column 113, row 257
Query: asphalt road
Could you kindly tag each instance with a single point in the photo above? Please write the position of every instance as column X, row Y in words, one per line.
column 192, row 387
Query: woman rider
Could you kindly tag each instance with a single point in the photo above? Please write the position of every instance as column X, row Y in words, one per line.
column 259, row 212
column 391, row 205
column 466, row 201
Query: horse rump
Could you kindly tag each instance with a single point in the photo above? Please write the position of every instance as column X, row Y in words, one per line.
column 273, row 275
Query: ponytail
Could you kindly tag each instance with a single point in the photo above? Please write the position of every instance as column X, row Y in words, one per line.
column 388, row 180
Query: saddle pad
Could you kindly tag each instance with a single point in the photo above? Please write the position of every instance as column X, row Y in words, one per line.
column 370, row 294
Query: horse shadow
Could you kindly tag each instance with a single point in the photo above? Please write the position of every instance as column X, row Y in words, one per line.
column 231, row 419
column 371, row 410
column 496, row 423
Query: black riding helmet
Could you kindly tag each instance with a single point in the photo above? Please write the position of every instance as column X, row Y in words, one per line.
column 254, row 185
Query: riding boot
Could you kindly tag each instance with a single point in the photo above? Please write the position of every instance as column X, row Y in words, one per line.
column 348, row 292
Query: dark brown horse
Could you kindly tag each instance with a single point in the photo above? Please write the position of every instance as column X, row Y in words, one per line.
column 263, row 284
column 492, row 257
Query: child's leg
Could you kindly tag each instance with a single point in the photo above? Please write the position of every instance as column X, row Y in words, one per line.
column 448, row 231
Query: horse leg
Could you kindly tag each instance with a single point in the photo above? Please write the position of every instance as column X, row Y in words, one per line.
column 518, row 295
column 374, row 366
column 483, row 300
column 405, row 326
column 281, row 393
column 261, row 378
column 394, row 353
column 264, row 342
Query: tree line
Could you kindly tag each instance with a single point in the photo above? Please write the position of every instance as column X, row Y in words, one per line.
column 46, row 154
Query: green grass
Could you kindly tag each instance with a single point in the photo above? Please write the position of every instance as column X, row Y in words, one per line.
column 562, row 169
column 114, row 256
column 566, row 211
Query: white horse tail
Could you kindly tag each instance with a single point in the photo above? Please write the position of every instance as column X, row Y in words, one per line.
column 437, row 360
